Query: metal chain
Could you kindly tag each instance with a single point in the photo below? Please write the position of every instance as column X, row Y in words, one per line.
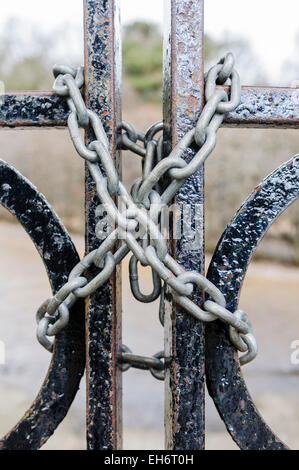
column 217, row 102
column 138, row 225
column 155, row 364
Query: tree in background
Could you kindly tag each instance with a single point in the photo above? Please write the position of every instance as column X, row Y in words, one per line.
column 26, row 58
column 143, row 58
column 27, row 54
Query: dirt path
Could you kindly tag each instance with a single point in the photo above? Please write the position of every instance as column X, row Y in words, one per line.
column 270, row 296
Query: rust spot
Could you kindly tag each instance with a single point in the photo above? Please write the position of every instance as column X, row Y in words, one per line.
column 181, row 47
column 192, row 101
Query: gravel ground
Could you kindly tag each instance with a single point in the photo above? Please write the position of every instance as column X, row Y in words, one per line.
column 270, row 296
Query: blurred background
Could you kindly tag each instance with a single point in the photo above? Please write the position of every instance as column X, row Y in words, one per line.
column 265, row 42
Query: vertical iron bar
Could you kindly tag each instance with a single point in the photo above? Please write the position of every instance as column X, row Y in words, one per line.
column 103, row 80
column 184, row 337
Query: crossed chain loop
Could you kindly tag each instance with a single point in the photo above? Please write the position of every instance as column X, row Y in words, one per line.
column 134, row 283
column 155, row 364
column 138, row 226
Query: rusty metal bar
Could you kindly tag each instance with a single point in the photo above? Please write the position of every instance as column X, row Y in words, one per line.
column 103, row 320
column 268, row 107
column 184, row 336
column 32, row 109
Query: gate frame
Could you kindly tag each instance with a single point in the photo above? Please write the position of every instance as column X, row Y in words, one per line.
column 261, row 107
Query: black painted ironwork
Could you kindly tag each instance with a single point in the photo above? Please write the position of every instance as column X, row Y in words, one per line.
column 102, row 69
column 227, row 271
column 260, row 107
column 59, row 255
column 33, row 109
column 185, row 338
column 185, row 381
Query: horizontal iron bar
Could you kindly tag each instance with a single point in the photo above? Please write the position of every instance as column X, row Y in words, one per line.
column 266, row 107
column 32, row 108
column 259, row 107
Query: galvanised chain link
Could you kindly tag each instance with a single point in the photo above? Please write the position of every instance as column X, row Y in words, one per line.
column 138, row 225
column 155, row 364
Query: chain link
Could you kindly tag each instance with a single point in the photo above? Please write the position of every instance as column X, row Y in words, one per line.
column 138, row 226
column 155, row 364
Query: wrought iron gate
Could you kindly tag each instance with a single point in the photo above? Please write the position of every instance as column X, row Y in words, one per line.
column 208, row 353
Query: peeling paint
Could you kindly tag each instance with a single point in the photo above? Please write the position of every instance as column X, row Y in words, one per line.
column 102, row 78
column 232, row 255
column 266, row 107
column 68, row 362
column 33, row 109
column 184, row 342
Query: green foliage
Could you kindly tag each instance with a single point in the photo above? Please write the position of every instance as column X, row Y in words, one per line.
column 142, row 57
column 27, row 54
column 23, row 63
column 28, row 74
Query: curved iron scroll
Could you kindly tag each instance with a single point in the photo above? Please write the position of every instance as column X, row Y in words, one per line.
column 227, row 270
column 59, row 255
